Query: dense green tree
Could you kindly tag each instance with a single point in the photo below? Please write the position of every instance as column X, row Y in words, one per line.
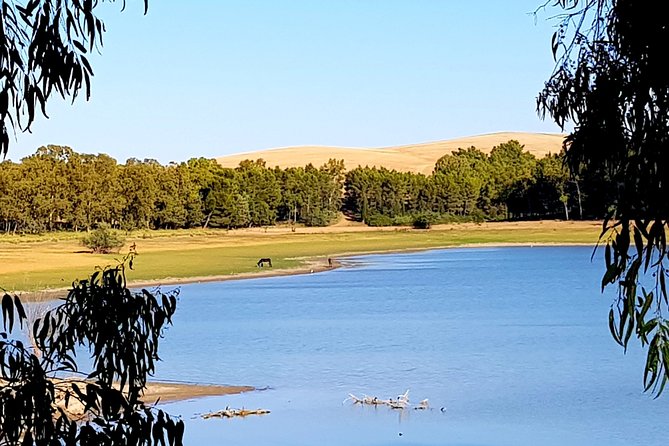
column 321, row 193
column 551, row 185
column 371, row 193
column 511, row 168
column 262, row 191
column 364, row 192
column 230, row 202
column 292, row 198
column 204, row 173
column 610, row 83
column 306, row 195
column 356, row 202
column 463, row 176
column 421, row 194
column 139, row 189
column 332, row 173
column 178, row 202
column 45, row 176
column 93, row 181
column 14, row 194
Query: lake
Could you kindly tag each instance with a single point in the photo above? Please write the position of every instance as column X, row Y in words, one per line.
column 510, row 346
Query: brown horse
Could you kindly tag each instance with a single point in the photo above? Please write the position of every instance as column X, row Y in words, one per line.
column 264, row 261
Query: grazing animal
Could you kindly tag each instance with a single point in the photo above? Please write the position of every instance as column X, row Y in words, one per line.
column 264, row 261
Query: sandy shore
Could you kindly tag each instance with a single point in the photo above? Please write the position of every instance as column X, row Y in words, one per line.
column 167, row 392
column 162, row 392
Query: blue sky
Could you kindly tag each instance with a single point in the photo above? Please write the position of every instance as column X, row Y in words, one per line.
column 209, row 78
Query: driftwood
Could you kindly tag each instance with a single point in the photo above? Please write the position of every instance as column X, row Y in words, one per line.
column 423, row 404
column 401, row 402
column 231, row 413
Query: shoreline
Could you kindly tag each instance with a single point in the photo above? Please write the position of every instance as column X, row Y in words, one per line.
column 311, row 265
column 167, row 392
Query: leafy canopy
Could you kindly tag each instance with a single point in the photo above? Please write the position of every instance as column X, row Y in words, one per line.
column 610, row 81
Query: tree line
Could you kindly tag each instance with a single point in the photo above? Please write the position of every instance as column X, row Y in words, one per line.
column 58, row 188
column 470, row 185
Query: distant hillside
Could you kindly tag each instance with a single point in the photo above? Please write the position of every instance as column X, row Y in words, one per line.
column 409, row 158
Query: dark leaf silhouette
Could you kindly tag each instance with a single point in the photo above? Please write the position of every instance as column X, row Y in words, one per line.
column 121, row 329
column 42, row 48
column 610, row 82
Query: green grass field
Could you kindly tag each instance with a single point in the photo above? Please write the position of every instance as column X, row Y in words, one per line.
column 53, row 261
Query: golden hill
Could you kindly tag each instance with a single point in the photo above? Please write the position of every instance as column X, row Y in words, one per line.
column 409, row 158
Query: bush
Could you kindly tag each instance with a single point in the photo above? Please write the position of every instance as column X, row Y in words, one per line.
column 447, row 218
column 477, row 216
column 403, row 220
column 320, row 217
column 422, row 221
column 103, row 240
column 379, row 220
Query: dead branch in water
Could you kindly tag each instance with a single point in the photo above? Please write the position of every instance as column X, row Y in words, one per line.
column 231, row 413
column 401, row 402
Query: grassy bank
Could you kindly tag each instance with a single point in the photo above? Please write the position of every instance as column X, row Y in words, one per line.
column 55, row 260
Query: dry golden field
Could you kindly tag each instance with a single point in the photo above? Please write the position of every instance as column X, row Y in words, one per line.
column 418, row 158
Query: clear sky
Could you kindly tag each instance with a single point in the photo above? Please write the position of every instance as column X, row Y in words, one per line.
column 210, row 78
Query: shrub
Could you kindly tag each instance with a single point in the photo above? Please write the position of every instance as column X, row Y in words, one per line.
column 102, row 240
column 379, row 220
column 320, row 217
column 422, row 221
column 403, row 220
column 477, row 216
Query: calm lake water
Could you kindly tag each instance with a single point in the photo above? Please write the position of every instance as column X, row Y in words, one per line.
column 512, row 343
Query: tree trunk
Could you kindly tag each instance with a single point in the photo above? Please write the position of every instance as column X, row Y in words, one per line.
column 206, row 222
column 578, row 194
